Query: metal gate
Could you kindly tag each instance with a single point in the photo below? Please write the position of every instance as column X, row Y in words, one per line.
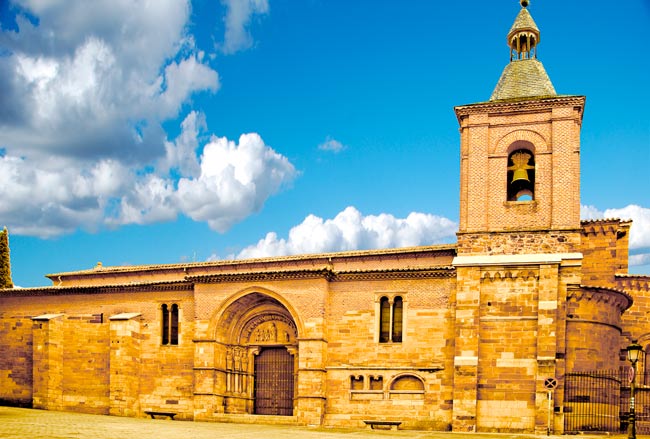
column 274, row 382
column 600, row 401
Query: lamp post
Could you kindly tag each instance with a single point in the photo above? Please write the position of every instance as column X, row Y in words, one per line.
column 633, row 354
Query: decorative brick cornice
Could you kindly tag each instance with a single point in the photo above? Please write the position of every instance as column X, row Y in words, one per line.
column 521, row 105
column 407, row 273
column 618, row 299
column 508, row 274
column 325, row 273
column 633, row 282
column 257, row 276
column 329, row 275
column 605, row 226
column 96, row 289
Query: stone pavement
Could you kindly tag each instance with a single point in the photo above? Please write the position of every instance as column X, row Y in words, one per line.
column 16, row 423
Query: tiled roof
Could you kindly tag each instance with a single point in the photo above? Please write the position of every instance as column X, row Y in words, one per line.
column 604, row 220
column 632, row 276
column 524, row 78
column 524, row 21
column 103, row 269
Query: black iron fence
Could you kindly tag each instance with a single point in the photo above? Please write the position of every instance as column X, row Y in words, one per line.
column 600, row 401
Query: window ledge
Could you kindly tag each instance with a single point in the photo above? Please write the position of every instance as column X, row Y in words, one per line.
column 520, row 203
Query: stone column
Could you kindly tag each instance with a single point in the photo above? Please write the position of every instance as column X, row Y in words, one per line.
column 466, row 348
column 547, row 329
column 125, row 336
column 311, row 386
column 48, row 361
column 209, row 382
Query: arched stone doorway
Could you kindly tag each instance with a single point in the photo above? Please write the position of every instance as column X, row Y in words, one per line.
column 259, row 356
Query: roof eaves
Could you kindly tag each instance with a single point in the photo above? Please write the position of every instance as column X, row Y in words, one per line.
column 238, row 262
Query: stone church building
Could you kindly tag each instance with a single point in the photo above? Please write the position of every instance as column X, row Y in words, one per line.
column 455, row 337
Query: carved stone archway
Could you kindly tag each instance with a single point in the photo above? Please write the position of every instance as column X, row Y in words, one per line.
column 252, row 325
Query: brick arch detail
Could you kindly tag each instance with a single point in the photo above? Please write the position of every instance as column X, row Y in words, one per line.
column 219, row 314
column 533, row 137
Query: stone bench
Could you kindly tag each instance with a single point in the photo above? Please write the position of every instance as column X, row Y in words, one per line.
column 392, row 425
column 153, row 414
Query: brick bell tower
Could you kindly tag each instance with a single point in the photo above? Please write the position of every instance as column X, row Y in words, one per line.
column 518, row 242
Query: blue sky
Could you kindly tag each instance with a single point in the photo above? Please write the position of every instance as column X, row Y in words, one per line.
column 177, row 131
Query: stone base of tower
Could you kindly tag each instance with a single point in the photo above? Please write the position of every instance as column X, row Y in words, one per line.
column 509, row 309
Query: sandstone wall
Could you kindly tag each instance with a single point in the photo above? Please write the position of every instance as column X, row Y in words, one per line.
column 16, row 360
column 636, row 320
column 604, row 246
column 409, row 381
column 61, row 352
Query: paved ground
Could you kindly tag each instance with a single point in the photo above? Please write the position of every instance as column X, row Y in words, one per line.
column 18, row 423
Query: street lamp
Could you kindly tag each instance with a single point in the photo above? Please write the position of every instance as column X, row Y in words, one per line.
column 633, row 354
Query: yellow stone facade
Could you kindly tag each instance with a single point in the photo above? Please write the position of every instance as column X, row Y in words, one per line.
column 452, row 337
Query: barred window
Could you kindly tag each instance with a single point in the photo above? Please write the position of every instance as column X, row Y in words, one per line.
column 170, row 324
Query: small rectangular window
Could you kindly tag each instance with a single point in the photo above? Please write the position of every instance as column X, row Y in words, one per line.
column 165, row 325
column 173, row 330
column 397, row 319
column 356, row 382
column 376, row 383
column 170, row 324
column 384, row 320
column 391, row 319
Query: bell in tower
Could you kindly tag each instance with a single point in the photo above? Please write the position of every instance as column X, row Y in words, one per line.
column 521, row 176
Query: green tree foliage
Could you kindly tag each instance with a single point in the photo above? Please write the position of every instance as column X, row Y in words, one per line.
column 5, row 263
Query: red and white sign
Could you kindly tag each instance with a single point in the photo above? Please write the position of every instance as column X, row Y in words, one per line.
column 630, row 374
column 550, row 383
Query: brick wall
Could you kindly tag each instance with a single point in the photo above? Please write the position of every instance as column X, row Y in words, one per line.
column 550, row 129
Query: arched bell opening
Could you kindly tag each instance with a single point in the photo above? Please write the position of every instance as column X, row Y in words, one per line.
column 523, row 46
column 258, row 354
column 521, row 175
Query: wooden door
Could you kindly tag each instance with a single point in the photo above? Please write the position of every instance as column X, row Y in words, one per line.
column 274, row 382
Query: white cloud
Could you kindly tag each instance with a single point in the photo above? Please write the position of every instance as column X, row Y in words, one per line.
column 151, row 199
column 331, row 145
column 640, row 259
column 238, row 17
column 93, row 103
column 86, row 88
column 350, row 230
column 235, row 181
column 181, row 80
column 181, row 154
column 97, row 79
column 57, row 198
